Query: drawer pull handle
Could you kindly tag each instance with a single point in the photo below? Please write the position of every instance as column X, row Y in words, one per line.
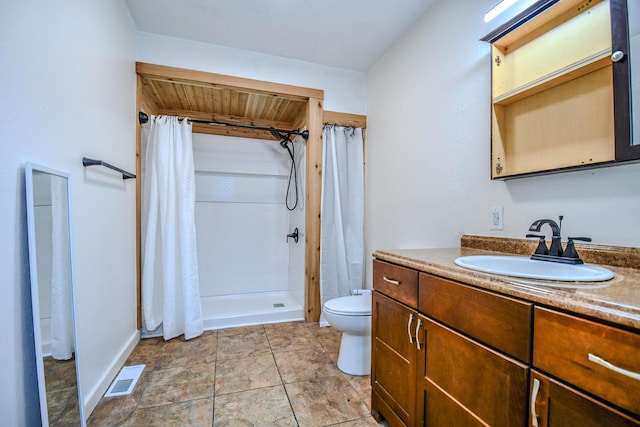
column 417, row 331
column 393, row 282
column 409, row 328
column 600, row 361
column 534, row 396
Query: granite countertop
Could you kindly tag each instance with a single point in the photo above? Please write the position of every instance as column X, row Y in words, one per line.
column 615, row 301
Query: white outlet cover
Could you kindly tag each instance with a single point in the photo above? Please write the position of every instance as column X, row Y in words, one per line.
column 496, row 219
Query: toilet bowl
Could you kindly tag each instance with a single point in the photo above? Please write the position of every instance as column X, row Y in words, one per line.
column 352, row 316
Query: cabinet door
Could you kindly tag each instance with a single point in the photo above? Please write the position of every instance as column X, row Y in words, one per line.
column 461, row 382
column 498, row 321
column 553, row 404
column 600, row 359
column 392, row 360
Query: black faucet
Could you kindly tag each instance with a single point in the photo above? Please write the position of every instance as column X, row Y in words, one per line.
column 555, row 253
column 556, row 244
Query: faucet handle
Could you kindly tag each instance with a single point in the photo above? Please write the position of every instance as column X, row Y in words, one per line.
column 542, row 245
column 582, row 239
column 570, row 251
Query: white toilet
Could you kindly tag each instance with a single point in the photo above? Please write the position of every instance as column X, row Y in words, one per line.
column 352, row 316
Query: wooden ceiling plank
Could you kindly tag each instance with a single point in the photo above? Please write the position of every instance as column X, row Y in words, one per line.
column 293, row 109
column 154, row 93
column 217, row 100
column 185, row 97
column 238, row 83
column 230, row 131
column 149, row 96
column 199, row 95
column 279, row 110
column 173, row 96
column 300, row 120
column 225, row 106
column 256, row 107
column 226, row 118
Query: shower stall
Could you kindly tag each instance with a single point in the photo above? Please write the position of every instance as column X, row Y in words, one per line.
column 250, row 270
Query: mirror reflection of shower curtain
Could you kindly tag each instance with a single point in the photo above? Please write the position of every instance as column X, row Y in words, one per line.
column 61, row 318
column 170, row 282
column 342, row 212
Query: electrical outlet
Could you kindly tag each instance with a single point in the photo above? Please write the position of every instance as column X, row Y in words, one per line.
column 496, row 221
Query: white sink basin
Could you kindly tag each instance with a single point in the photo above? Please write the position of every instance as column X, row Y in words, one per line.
column 519, row 266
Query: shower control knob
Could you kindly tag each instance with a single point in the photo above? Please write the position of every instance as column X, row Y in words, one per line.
column 293, row 235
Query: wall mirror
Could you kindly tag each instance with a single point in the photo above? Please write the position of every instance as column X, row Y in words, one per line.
column 48, row 216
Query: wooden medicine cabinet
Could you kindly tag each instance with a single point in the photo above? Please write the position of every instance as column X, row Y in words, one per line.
column 560, row 89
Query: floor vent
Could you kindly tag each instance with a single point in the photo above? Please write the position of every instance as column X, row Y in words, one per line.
column 278, row 305
column 125, row 381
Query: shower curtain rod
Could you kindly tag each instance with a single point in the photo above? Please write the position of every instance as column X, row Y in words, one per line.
column 277, row 133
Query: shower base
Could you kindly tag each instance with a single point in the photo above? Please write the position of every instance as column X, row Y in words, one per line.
column 229, row 311
column 258, row 308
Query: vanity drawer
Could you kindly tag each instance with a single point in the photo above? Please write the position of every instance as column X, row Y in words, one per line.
column 399, row 283
column 575, row 350
column 501, row 322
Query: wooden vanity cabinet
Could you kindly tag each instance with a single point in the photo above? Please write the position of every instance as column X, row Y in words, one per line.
column 427, row 373
column 393, row 361
column 445, row 353
column 496, row 320
column 463, row 382
column 393, row 356
column 556, row 404
column 601, row 360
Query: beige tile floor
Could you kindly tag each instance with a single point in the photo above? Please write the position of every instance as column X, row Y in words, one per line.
column 268, row 375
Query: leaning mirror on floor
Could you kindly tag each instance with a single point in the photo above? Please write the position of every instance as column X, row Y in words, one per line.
column 48, row 215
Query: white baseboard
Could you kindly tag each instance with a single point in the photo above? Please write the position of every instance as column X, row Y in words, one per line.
column 93, row 397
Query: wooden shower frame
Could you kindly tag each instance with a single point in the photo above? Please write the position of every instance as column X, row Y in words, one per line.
column 314, row 119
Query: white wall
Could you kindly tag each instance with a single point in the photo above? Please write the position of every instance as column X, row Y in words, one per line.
column 241, row 217
column 427, row 164
column 68, row 90
column 344, row 90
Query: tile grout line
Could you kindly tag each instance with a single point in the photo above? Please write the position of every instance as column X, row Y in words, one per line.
column 286, row 393
column 215, row 378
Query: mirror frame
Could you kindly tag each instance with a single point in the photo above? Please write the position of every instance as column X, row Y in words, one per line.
column 30, row 168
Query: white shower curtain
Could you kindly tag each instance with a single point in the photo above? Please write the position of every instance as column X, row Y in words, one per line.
column 170, row 285
column 61, row 305
column 342, row 212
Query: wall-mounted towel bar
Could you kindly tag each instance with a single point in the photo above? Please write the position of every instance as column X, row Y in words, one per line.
column 90, row 162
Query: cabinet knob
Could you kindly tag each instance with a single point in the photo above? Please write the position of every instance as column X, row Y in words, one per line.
column 617, row 56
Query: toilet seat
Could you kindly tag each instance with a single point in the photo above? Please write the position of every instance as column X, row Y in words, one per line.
column 354, row 305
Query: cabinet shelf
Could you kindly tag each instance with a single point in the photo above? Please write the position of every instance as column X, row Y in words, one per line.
column 570, row 72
